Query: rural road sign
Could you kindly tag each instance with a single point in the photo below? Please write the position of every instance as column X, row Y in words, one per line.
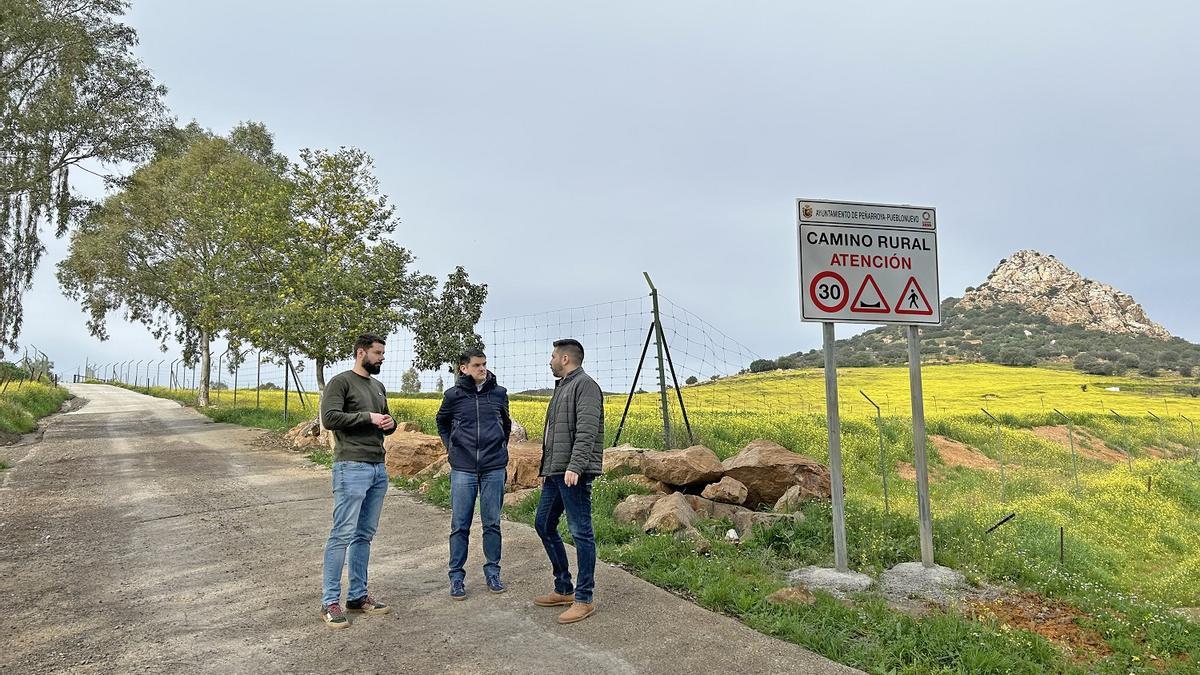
column 868, row 263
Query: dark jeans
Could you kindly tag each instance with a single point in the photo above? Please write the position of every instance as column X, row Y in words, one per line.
column 464, row 486
column 577, row 502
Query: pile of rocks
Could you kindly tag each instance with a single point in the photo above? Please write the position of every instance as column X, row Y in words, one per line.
column 693, row 484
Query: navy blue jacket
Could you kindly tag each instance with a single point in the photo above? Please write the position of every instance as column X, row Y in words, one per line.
column 474, row 424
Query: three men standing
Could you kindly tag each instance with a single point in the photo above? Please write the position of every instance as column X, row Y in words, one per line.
column 474, row 424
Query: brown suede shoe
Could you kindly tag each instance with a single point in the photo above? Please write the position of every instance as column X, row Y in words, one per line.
column 553, row 599
column 578, row 612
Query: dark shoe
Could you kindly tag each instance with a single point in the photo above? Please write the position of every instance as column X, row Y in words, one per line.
column 577, row 612
column 367, row 605
column 495, row 585
column 332, row 614
column 554, row 599
column 458, row 590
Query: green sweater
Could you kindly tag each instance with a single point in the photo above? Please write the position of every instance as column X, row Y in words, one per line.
column 346, row 407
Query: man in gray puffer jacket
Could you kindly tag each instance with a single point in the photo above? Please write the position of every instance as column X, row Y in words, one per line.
column 572, row 457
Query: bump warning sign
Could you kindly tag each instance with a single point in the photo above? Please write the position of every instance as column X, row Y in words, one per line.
column 868, row 263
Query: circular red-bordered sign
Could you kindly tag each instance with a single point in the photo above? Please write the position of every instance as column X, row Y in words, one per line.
column 835, row 291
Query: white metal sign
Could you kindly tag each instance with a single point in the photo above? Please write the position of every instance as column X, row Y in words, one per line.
column 868, row 263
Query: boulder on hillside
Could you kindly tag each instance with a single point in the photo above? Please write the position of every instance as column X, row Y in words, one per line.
column 678, row 512
column 744, row 521
column 517, row 496
column 518, row 433
column 308, row 436
column 670, row 514
column 728, row 490
column 524, row 465
column 768, row 469
column 655, row 485
column 707, row 508
column 623, row 461
column 408, row 453
column 635, row 509
column 436, row 469
column 696, row 464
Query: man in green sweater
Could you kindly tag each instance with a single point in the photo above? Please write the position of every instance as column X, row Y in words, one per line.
column 354, row 407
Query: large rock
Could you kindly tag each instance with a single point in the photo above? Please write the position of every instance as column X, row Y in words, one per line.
column 670, row 514
column 745, row 520
column 524, row 465
column 436, row 469
column 309, row 436
column 408, row 453
column 791, row 500
column 728, row 490
column 518, row 433
column 623, row 461
column 696, row 464
column 515, row 498
column 635, row 509
column 768, row 469
column 707, row 508
column 655, row 485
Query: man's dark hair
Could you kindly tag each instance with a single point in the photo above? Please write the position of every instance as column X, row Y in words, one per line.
column 572, row 349
column 366, row 341
column 468, row 354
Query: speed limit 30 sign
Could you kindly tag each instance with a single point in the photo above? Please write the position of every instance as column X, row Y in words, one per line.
column 868, row 263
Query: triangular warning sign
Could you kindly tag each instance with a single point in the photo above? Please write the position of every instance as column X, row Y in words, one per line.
column 913, row 300
column 869, row 299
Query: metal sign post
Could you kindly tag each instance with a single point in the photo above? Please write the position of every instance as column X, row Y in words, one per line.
column 837, row 490
column 870, row 263
column 920, row 461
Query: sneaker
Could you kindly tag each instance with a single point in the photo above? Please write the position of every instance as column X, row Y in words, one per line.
column 367, row 605
column 332, row 614
column 458, row 590
column 554, row 599
column 495, row 585
column 577, row 612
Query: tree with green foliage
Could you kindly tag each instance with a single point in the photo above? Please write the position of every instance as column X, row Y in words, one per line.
column 334, row 274
column 178, row 248
column 410, row 382
column 71, row 91
column 761, row 365
column 444, row 326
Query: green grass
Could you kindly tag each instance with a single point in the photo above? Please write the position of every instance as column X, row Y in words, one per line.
column 21, row 408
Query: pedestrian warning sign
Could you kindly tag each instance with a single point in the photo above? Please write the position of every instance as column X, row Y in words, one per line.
column 868, row 263
column 869, row 299
column 913, row 300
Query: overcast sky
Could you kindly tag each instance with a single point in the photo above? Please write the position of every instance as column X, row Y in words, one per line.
column 558, row 150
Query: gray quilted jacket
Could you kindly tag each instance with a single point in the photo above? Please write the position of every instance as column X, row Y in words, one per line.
column 573, row 439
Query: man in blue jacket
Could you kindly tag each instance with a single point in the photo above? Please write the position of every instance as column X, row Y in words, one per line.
column 474, row 424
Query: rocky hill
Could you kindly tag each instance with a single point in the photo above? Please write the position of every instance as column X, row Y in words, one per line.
column 1041, row 284
column 1032, row 309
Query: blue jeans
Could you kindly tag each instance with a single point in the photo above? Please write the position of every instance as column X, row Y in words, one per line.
column 358, row 490
column 464, row 486
column 577, row 502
